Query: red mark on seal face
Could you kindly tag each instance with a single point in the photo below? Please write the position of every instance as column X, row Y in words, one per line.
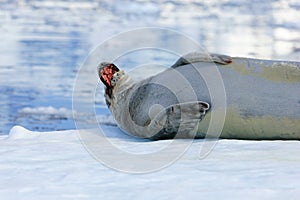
column 106, row 73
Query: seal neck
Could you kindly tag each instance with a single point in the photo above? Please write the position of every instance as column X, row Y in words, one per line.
column 120, row 82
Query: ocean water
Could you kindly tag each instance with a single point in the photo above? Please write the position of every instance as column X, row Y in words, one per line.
column 44, row 43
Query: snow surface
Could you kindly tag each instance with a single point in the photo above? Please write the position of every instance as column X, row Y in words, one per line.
column 50, row 113
column 47, row 112
column 55, row 165
column 45, row 42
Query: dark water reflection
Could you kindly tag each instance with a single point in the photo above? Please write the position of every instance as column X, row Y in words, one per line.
column 43, row 44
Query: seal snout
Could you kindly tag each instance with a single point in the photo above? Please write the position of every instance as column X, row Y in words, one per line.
column 106, row 71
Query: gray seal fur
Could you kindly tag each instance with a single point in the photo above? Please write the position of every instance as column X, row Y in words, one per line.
column 263, row 100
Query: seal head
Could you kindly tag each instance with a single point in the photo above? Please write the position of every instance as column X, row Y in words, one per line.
column 106, row 72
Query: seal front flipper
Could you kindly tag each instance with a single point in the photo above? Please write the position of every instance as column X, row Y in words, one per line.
column 195, row 57
column 178, row 120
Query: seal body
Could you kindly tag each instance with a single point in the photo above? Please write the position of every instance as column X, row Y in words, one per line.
column 262, row 99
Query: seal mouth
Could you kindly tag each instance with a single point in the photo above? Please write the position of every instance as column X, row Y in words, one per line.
column 106, row 72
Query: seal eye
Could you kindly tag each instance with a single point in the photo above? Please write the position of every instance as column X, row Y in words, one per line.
column 106, row 72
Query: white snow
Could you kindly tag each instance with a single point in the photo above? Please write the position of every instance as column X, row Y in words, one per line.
column 55, row 165
column 106, row 119
column 49, row 111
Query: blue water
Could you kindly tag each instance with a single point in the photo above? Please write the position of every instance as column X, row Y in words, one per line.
column 44, row 43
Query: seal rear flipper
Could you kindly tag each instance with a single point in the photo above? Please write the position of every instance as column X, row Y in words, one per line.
column 178, row 120
column 195, row 57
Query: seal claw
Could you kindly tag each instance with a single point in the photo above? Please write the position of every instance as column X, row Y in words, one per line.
column 180, row 120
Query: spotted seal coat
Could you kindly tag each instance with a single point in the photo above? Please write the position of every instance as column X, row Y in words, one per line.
column 262, row 99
